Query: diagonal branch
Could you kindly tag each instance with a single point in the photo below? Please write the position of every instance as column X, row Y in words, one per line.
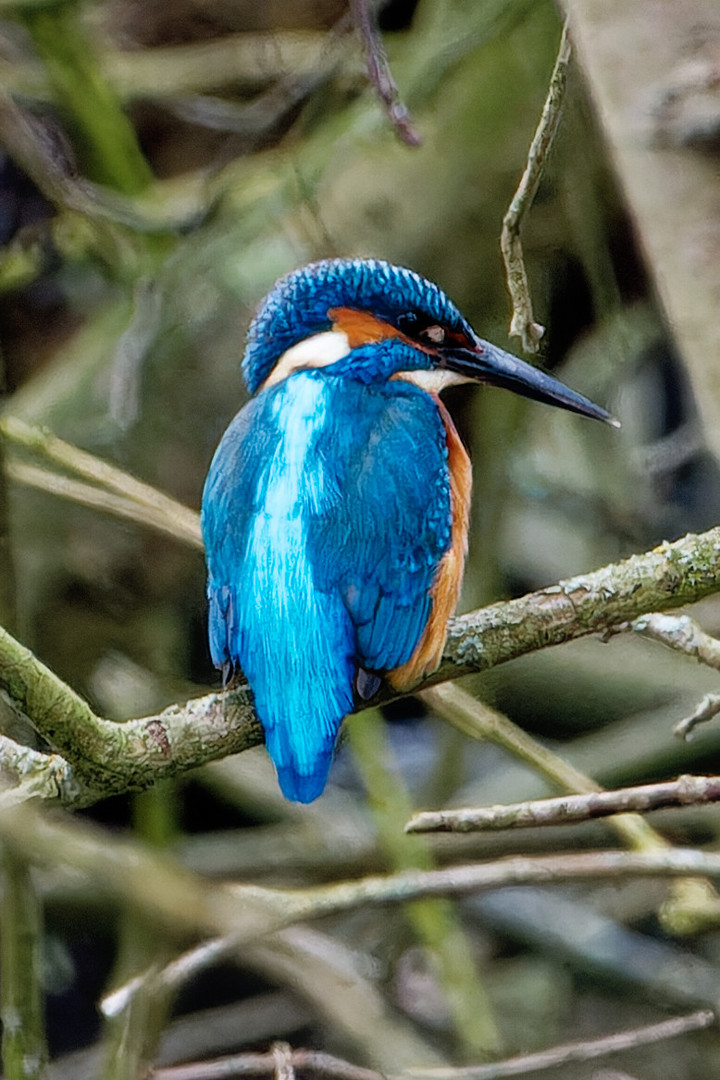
column 603, row 601
column 685, row 791
column 380, row 75
column 567, row 1053
column 108, row 757
column 323, row 1065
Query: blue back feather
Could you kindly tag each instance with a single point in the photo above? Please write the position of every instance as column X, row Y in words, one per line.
column 325, row 514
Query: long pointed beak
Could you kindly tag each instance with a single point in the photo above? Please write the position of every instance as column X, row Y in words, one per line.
column 488, row 364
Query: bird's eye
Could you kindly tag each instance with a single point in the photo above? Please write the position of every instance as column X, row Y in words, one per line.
column 419, row 328
column 434, row 334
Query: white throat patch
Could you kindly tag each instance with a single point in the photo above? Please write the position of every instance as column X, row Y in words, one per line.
column 434, row 380
column 317, row 351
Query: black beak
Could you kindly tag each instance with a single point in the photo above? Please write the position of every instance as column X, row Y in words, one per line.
column 488, row 364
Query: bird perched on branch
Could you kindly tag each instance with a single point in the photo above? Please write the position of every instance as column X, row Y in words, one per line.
column 335, row 512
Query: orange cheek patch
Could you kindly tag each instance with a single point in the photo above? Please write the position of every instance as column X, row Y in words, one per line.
column 361, row 327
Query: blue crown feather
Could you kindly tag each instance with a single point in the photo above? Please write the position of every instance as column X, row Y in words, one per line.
column 299, row 303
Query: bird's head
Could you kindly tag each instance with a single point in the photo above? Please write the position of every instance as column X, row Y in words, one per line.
column 370, row 320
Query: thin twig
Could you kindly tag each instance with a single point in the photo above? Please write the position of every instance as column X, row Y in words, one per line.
column 682, row 633
column 161, row 511
column 249, row 60
column 380, row 75
column 191, row 904
column 576, row 1051
column 688, row 902
column 284, row 1065
column 708, row 708
column 174, row 522
column 685, row 791
column 612, row 1074
column 480, row 721
column 522, row 324
column 264, row 1065
column 173, row 976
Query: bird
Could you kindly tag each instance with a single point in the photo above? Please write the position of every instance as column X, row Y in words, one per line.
column 335, row 510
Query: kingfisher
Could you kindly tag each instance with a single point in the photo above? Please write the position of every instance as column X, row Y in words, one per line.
column 335, row 511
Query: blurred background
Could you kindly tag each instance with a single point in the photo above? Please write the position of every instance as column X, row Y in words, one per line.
column 161, row 166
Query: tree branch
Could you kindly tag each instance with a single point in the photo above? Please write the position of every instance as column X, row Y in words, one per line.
column 106, row 757
column 682, row 633
column 314, row 1061
column 105, row 486
column 174, row 896
column 522, row 324
column 685, row 791
column 380, row 75
column 556, row 1056
column 567, row 1053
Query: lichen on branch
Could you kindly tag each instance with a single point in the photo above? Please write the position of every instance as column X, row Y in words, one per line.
column 105, row 757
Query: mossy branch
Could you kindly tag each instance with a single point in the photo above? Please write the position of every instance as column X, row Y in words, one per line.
column 104, row 757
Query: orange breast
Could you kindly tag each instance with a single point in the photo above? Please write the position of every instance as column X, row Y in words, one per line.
column 446, row 586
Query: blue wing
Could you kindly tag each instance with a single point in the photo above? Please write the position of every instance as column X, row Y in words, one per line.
column 381, row 544
column 325, row 513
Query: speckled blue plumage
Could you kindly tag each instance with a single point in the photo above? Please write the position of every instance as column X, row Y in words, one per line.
column 325, row 513
column 299, row 303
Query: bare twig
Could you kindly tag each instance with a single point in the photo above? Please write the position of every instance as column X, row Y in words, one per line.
column 172, row 896
column 264, row 1065
column 686, row 790
column 247, row 59
column 577, row 1051
column 478, row 720
column 284, row 1064
column 612, row 1074
column 522, row 324
column 129, row 497
column 706, row 710
column 682, row 633
column 173, row 976
column 177, row 524
column 336, row 1069
column 380, row 75
column 689, row 901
